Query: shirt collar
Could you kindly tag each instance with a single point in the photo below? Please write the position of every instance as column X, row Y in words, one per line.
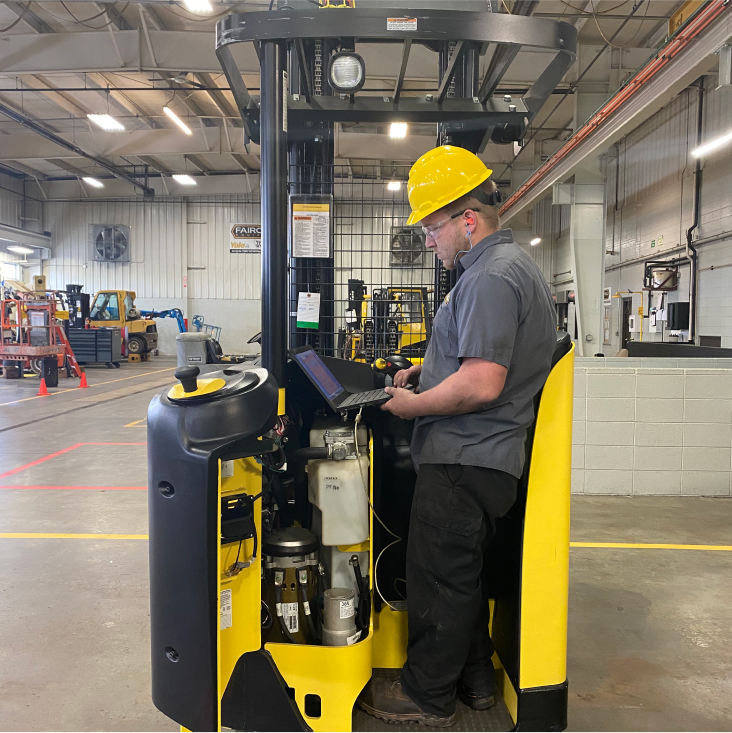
column 469, row 258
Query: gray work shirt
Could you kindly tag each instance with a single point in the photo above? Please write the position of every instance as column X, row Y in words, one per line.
column 500, row 310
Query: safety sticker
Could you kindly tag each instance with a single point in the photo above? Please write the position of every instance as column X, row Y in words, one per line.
column 226, row 609
column 401, row 24
column 353, row 639
column 289, row 614
column 348, row 608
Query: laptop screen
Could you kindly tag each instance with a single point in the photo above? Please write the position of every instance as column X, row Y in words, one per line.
column 319, row 373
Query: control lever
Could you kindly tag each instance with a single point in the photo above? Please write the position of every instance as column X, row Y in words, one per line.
column 188, row 377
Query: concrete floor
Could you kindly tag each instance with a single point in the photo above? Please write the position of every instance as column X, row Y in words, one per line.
column 650, row 639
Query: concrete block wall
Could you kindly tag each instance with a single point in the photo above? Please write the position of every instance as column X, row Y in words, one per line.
column 652, row 431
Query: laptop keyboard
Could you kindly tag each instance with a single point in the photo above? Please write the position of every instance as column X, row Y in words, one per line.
column 364, row 397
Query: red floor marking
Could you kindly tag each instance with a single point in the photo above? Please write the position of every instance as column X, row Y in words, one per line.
column 54, row 455
column 78, row 488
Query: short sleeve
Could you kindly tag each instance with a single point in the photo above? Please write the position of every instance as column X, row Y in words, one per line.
column 487, row 318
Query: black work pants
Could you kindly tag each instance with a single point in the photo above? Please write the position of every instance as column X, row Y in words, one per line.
column 452, row 521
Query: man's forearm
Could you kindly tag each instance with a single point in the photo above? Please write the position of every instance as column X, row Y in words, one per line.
column 459, row 394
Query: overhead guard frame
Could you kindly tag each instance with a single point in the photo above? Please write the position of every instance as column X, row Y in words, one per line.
column 434, row 29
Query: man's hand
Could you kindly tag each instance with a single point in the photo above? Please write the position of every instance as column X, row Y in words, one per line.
column 408, row 376
column 403, row 403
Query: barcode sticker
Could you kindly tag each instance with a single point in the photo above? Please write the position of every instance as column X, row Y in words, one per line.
column 348, row 608
column 226, row 609
column 289, row 614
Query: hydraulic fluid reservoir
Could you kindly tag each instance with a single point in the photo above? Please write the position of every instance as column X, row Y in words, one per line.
column 338, row 486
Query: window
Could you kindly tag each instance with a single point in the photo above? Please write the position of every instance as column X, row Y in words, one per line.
column 129, row 305
column 105, row 308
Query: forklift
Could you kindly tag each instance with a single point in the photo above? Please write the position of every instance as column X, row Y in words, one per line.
column 116, row 308
column 401, row 323
column 278, row 521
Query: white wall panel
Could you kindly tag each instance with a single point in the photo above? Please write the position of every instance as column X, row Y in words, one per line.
column 11, row 197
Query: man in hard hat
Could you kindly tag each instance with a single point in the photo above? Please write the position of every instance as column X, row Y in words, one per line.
column 489, row 355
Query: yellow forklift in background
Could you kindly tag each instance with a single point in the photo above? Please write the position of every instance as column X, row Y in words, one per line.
column 117, row 308
column 400, row 323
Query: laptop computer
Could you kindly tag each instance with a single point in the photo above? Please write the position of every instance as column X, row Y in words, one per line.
column 334, row 393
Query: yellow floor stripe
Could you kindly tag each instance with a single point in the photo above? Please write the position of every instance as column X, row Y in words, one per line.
column 136, row 424
column 54, row 536
column 638, row 546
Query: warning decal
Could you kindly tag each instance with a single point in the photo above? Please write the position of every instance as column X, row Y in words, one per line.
column 401, row 24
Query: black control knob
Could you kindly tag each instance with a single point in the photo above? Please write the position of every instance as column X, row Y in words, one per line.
column 187, row 376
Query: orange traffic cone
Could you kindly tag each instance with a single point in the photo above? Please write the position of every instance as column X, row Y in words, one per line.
column 43, row 391
column 83, row 384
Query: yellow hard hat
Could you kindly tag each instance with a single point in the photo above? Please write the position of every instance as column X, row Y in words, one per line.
column 442, row 176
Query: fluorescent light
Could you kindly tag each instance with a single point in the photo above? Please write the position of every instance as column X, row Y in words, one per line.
column 93, row 182
column 535, row 241
column 20, row 250
column 395, row 186
column 712, row 145
column 198, row 6
column 398, row 129
column 106, row 122
column 184, row 179
column 178, row 121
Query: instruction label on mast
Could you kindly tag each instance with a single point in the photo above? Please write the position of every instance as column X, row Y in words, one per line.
column 311, row 230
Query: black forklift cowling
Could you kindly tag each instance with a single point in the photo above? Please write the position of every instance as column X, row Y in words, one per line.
column 239, row 621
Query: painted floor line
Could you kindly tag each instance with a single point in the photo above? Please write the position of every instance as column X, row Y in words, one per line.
column 59, row 536
column 97, row 384
column 644, row 546
column 136, row 424
column 57, row 453
column 74, row 488
column 599, row 545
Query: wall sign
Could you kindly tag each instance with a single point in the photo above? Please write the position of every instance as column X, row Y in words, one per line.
column 245, row 238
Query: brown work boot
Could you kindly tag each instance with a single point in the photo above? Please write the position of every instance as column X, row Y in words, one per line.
column 384, row 698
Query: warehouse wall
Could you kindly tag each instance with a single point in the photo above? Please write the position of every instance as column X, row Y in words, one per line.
column 179, row 259
column 649, row 179
column 11, row 211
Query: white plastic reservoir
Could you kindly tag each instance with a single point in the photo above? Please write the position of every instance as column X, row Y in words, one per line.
column 337, row 489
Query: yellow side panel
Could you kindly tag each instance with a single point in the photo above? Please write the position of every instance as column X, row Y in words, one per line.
column 390, row 639
column 545, row 562
column 244, row 634
column 336, row 673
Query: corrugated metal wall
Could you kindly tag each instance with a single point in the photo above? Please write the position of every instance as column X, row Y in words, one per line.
column 649, row 204
column 11, row 198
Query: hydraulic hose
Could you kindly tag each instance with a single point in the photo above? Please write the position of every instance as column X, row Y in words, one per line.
column 306, row 608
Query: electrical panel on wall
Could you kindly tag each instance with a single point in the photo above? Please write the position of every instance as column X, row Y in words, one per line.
column 110, row 243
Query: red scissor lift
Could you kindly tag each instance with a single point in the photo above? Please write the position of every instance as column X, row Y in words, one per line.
column 30, row 332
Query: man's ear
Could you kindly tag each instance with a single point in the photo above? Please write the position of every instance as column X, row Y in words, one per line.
column 471, row 218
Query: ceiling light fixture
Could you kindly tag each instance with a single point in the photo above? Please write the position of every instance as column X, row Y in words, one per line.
column 198, row 6
column 106, row 122
column 20, row 250
column 712, row 145
column 184, row 179
column 346, row 72
column 398, row 130
column 178, row 121
column 535, row 241
column 93, row 182
column 395, row 186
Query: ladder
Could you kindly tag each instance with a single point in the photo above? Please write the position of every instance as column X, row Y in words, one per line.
column 61, row 336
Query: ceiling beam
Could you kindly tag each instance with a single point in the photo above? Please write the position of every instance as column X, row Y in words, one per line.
column 206, row 141
column 44, row 133
column 149, row 161
column 60, row 99
column 239, row 158
column 116, row 18
column 219, row 98
column 119, row 100
column 68, row 167
column 15, row 108
column 29, row 17
column 198, row 163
